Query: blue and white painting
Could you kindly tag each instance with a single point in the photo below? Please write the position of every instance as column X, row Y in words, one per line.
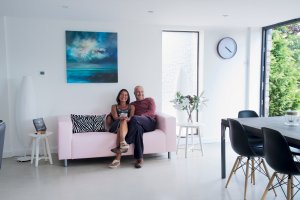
column 92, row 57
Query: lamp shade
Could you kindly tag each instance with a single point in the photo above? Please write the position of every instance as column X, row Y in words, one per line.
column 25, row 110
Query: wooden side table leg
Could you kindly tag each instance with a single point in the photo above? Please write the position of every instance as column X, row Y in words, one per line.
column 48, row 150
column 32, row 150
column 37, row 151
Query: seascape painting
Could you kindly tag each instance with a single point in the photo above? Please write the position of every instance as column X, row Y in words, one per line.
column 91, row 57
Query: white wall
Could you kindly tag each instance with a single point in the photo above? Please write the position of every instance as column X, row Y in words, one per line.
column 4, row 95
column 39, row 45
column 226, row 80
column 35, row 45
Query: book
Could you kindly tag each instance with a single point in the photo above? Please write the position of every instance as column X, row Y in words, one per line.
column 39, row 125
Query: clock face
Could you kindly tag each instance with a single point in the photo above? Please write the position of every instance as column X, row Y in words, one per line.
column 227, row 48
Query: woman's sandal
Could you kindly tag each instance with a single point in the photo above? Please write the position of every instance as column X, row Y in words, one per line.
column 116, row 150
column 114, row 164
column 124, row 147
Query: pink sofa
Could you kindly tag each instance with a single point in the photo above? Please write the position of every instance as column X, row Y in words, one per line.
column 91, row 144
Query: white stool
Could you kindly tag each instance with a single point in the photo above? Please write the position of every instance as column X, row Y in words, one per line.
column 191, row 126
column 35, row 151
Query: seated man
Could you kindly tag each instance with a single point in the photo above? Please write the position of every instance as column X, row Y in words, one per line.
column 143, row 121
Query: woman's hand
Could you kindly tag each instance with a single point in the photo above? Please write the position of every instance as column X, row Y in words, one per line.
column 125, row 118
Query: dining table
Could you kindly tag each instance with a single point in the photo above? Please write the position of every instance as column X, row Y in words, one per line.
column 254, row 124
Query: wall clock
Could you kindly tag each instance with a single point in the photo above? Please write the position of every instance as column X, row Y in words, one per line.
column 227, row 48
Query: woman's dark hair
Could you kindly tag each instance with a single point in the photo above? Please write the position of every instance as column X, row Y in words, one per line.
column 118, row 100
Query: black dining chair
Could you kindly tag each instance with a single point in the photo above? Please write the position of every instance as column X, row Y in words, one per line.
column 279, row 157
column 253, row 139
column 240, row 144
column 2, row 131
column 247, row 113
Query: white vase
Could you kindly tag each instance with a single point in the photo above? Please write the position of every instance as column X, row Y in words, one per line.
column 25, row 111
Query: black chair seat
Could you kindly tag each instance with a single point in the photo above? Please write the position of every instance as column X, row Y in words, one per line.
column 258, row 151
column 298, row 165
column 295, row 151
column 247, row 113
column 256, row 141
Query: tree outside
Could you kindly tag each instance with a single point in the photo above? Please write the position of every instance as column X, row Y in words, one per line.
column 284, row 78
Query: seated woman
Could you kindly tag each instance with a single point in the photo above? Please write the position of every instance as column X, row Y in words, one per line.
column 121, row 114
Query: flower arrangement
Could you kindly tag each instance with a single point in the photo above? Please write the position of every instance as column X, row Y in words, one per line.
column 189, row 103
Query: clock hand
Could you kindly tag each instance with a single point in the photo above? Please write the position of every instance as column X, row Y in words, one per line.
column 228, row 49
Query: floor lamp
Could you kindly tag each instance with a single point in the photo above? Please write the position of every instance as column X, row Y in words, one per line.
column 25, row 113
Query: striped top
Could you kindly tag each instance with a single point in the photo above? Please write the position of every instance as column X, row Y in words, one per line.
column 125, row 111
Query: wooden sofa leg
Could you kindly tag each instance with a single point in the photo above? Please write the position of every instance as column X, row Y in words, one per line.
column 169, row 155
column 66, row 162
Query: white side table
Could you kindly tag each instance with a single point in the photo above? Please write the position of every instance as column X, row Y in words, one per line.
column 191, row 126
column 35, row 151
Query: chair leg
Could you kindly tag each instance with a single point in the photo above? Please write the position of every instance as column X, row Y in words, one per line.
column 267, row 173
column 252, row 172
column 238, row 164
column 233, row 170
column 268, row 186
column 289, row 187
column 246, row 178
column 292, row 187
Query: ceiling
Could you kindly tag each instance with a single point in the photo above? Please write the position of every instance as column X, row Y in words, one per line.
column 227, row 13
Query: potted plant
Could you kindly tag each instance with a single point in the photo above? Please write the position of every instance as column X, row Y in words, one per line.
column 189, row 103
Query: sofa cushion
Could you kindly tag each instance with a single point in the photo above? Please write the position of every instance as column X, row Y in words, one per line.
column 88, row 123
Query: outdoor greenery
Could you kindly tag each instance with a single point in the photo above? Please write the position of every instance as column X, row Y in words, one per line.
column 284, row 76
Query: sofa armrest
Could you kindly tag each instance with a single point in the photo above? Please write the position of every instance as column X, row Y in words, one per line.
column 64, row 137
column 167, row 124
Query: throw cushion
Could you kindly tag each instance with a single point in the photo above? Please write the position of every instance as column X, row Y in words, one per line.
column 88, row 123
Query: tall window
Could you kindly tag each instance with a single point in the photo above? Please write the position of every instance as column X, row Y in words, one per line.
column 281, row 68
column 179, row 68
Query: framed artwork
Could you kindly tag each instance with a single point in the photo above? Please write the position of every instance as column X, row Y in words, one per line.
column 91, row 57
